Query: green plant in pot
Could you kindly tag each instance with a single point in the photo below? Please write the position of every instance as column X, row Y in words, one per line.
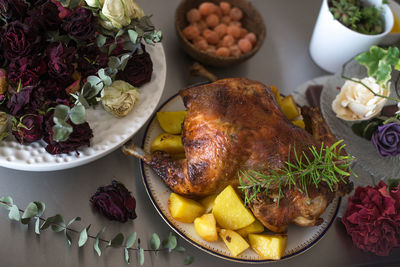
column 357, row 16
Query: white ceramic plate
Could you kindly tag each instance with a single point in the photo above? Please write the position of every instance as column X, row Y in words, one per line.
column 364, row 151
column 299, row 238
column 109, row 132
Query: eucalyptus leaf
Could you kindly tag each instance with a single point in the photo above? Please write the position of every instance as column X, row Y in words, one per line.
column 107, row 81
column 101, row 40
column 130, row 240
column 8, row 201
column 170, row 242
column 14, row 213
column 62, row 132
column 155, row 242
column 74, row 3
column 37, row 226
column 68, row 237
column 141, row 256
column 139, row 31
column 133, row 36
column 83, row 237
column 58, row 223
column 94, row 81
column 41, row 207
column 180, row 249
column 78, row 114
column 111, row 48
column 30, row 211
column 117, row 241
column 61, row 112
column 188, row 260
column 76, row 219
column 124, row 61
column 96, row 242
column 82, row 100
column 114, row 62
column 119, row 33
column 126, row 253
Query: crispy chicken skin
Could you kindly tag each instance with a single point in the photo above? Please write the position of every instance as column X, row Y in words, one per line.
column 236, row 125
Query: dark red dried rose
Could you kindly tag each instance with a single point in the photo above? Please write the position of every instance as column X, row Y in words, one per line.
column 138, row 70
column 80, row 136
column 80, row 24
column 372, row 219
column 13, row 9
column 91, row 59
column 44, row 15
column 27, row 128
column 19, row 101
column 26, row 70
column 115, row 202
column 60, row 59
column 20, row 40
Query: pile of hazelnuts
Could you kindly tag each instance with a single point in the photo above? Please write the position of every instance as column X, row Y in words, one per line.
column 218, row 30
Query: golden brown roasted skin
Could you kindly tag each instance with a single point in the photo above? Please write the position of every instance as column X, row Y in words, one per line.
column 236, row 125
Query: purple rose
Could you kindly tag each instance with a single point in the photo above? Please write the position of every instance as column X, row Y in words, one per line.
column 80, row 24
column 386, row 139
column 60, row 59
column 20, row 40
column 26, row 70
column 44, row 15
column 80, row 136
column 13, row 9
column 115, row 202
column 27, row 128
column 139, row 69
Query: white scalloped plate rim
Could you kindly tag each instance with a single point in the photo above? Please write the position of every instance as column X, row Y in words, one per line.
column 158, row 193
column 109, row 132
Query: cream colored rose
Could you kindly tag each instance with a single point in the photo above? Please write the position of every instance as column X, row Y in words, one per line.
column 93, row 3
column 116, row 12
column 134, row 11
column 119, row 98
column 3, row 125
column 355, row 102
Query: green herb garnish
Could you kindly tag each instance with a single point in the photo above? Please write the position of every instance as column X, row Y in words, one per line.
column 325, row 165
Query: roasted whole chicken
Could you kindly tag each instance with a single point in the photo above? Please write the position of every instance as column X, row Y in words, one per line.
column 235, row 125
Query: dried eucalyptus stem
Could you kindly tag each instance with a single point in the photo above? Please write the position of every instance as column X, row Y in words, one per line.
column 35, row 210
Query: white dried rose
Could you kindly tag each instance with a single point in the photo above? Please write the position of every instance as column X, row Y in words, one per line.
column 93, row 3
column 116, row 12
column 356, row 102
column 119, row 13
column 119, row 98
column 3, row 125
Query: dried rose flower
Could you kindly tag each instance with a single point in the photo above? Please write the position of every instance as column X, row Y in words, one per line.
column 119, row 98
column 115, row 202
column 60, row 60
column 13, row 9
column 372, row 218
column 386, row 139
column 44, row 15
column 27, row 128
column 26, row 70
column 80, row 24
column 20, row 40
column 139, row 69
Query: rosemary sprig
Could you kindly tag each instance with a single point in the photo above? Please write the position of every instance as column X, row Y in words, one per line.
column 325, row 165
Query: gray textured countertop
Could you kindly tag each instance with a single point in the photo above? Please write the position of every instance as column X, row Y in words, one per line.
column 283, row 61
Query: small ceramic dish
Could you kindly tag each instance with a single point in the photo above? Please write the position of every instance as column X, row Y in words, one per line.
column 252, row 21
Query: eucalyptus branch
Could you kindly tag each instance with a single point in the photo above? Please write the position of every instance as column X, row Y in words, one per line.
column 57, row 223
column 326, row 165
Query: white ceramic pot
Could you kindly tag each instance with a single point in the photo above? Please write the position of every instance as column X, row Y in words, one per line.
column 332, row 43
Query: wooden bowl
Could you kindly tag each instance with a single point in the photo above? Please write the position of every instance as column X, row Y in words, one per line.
column 252, row 21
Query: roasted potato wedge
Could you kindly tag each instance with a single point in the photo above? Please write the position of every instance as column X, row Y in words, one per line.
column 208, row 202
column 206, row 227
column 255, row 228
column 268, row 246
column 289, row 107
column 229, row 210
column 171, row 121
column 235, row 242
column 172, row 144
column 183, row 209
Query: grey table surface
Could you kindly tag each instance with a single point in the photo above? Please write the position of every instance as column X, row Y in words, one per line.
column 283, row 61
